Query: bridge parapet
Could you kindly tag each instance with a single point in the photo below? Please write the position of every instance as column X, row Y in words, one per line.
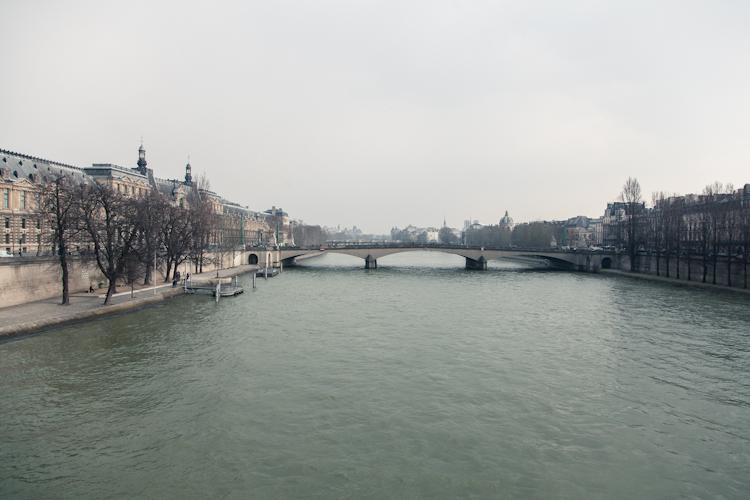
column 476, row 257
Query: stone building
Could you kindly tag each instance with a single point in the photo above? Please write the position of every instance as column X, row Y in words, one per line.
column 22, row 178
column 506, row 223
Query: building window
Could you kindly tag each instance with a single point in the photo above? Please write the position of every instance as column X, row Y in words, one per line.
column 23, row 223
column 23, row 239
column 38, row 224
column 38, row 239
column 36, row 201
column 7, row 222
column 23, row 200
column 7, row 238
column 6, row 198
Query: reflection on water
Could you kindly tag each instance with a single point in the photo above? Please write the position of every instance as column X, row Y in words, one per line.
column 418, row 379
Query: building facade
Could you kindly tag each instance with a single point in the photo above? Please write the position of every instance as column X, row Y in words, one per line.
column 22, row 178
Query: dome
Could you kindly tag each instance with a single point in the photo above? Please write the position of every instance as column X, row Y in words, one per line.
column 506, row 219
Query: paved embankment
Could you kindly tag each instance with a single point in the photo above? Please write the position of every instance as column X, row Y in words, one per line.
column 675, row 282
column 48, row 314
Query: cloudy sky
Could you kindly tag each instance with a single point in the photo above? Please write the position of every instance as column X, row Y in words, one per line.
column 382, row 114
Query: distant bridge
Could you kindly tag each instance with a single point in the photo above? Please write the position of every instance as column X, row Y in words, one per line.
column 476, row 257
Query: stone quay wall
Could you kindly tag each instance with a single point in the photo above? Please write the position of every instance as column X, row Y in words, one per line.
column 26, row 279
column 646, row 264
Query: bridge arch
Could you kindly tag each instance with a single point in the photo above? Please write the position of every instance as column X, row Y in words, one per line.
column 476, row 257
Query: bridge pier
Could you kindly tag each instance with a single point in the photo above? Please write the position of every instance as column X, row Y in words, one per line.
column 288, row 262
column 477, row 265
column 370, row 262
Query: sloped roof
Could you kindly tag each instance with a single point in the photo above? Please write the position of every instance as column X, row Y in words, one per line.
column 24, row 167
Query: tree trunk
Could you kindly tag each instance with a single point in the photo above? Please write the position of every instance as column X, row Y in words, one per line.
column 65, row 279
column 729, row 268
column 714, row 261
column 147, row 278
column 111, row 289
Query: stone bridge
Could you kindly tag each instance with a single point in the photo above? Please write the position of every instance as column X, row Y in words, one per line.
column 476, row 257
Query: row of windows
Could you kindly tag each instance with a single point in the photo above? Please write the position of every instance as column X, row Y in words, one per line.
column 6, row 199
column 23, row 223
column 22, row 240
column 122, row 188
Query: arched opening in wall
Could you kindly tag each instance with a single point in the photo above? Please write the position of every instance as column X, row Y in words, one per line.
column 253, row 259
column 606, row 263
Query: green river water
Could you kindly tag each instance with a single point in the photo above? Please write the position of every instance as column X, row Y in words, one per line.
column 416, row 380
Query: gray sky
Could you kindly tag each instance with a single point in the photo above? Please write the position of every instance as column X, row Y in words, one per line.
column 385, row 113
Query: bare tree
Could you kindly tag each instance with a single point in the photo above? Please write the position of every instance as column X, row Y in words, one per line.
column 633, row 224
column 60, row 209
column 536, row 234
column 178, row 238
column 711, row 218
column 110, row 222
column 203, row 220
column 677, row 230
column 308, row 235
column 744, row 233
column 728, row 216
column 132, row 270
column 228, row 238
column 705, row 221
column 446, row 236
column 657, row 222
column 151, row 211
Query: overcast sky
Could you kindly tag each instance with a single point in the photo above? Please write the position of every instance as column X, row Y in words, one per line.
column 382, row 114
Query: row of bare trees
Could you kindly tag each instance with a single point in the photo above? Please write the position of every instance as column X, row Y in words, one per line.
column 535, row 234
column 308, row 235
column 125, row 236
column 709, row 228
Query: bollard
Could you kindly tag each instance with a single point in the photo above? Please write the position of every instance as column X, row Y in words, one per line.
column 254, row 279
column 281, row 267
column 218, row 291
column 265, row 273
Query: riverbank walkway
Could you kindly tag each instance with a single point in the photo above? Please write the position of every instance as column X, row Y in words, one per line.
column 48, row 314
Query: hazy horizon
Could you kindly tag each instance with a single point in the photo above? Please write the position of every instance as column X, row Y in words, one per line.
column 382, row 114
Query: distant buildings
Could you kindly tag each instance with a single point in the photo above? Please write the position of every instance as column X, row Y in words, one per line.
column 415, row 234
column 506, row 223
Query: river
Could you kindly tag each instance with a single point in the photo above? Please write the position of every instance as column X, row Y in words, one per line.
column 415, row 380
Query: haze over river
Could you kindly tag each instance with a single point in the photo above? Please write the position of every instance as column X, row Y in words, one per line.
column 415, row 380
